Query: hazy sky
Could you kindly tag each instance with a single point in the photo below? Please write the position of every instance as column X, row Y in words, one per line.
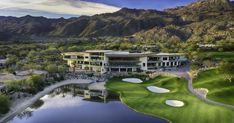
column 74, row 8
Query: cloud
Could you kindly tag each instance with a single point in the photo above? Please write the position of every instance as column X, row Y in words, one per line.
column 23, row 12
column 70, row 7
column 59, row 102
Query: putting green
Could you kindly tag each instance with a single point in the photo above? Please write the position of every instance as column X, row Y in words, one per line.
column 140, row 99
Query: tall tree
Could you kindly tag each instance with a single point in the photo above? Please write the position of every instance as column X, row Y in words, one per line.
column 35, row 81
column 52, row 68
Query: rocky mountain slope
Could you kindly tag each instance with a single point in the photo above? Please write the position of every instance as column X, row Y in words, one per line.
column 206, row 20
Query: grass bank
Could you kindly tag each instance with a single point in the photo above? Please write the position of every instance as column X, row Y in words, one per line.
column 220, row 89
column 229, row 56
column 139, row 98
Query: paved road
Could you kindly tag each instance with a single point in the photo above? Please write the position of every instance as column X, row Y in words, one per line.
column 187, row 76
column 22, row 106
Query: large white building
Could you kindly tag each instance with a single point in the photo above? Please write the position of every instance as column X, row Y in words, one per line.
column 120, row 61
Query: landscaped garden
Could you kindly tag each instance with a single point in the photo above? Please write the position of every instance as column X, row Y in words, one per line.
column 139, row 98
column 220, row 89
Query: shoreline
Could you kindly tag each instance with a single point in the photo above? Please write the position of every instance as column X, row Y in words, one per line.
column 24, row 104
column 152, row 115
column 187, row 77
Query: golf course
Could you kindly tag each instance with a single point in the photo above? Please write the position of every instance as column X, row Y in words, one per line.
column 220, row 89
column 139, row 98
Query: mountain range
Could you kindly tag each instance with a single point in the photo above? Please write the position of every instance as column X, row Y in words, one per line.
column 205, row 20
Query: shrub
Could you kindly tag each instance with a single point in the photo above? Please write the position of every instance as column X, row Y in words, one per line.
column 4, row 104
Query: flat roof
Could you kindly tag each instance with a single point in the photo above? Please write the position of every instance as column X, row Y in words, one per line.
column 98, row 51
column 72, row 53
column 2, row 86
column 7, row 77
column 169, row 54
column 124, row 54
column 119, row 52
column 141, row 54
column 28, row 72
column 3, row 61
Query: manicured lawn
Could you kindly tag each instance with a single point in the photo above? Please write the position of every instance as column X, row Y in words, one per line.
column 219, row 55
column 220, row 89
column 140, row 99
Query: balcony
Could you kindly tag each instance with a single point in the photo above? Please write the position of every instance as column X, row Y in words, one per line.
column 96, row 60
column 155, row 61
column 123, row 61
column 123, row 66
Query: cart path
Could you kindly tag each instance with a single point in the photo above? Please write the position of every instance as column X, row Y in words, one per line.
column 187, row 76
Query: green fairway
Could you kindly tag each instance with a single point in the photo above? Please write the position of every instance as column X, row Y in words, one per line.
column 140, row 99
column 229, row 56
column 220, row 89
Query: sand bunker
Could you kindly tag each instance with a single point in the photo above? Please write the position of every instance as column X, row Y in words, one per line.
column 175, row 103
column 132, row 80
column 157, row 89
column 202, row 91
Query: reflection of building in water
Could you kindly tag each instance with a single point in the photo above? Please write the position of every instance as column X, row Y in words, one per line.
column 81, row 90
column 120, row 61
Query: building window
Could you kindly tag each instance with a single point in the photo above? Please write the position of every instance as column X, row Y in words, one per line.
column 159, row 64
column 67, row 57
column 143, row 64
column 172, row 58
column 164, row 58
column 153, row 58
column 80, row 57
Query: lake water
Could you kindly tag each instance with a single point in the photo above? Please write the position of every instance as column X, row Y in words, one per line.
column 65, row 106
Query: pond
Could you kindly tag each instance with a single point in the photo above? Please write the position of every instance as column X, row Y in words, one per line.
column 66, row 105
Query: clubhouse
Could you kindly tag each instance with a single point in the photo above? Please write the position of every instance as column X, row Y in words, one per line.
column 104, row 61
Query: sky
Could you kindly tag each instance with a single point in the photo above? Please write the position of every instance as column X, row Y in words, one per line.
column 75, row 8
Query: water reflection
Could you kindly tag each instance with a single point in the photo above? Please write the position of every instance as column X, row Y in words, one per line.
column 65, row 105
